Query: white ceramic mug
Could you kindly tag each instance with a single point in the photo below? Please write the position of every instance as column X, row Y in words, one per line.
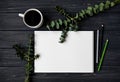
column 27, row 11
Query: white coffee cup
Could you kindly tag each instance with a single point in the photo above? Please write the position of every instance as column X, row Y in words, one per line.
column 40, row 22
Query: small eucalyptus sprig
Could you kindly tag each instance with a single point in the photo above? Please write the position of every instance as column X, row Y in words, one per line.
column 28, row 56
column 71, row 22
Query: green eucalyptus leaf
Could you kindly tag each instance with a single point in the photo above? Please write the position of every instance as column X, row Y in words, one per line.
column 94, row 10
column 65, row 23
column 36, row 56
column 61, row 40
column 112, row 4
column 71, row 25
column 90, row 8
column 81, row 15
column 52, row 24
column 101, row 6
column 57, row 25
column 96, row 6
column 108, row 2
column 89, row 12
column 77, row 16
column 48, row 27
column 106, row 6
column 83, row 11
column 68, row 20
column 60, row 21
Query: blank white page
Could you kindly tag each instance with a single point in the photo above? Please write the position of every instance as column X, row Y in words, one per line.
column 76, row 55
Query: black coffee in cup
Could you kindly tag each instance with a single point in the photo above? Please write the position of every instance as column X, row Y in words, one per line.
column 32, row 18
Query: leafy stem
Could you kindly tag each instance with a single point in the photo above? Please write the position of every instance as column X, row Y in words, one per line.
column 27, row 55
column 72, row 22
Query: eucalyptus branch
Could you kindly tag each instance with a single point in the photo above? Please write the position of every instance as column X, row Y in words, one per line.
column 63, row 36
column 28, row 56
column 72, row 22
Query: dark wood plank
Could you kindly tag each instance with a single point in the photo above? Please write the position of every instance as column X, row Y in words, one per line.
column 12, row 74
column 47, row 5
column 8, row 58
column 107, row 72
column 10, row 38
column 107, row 75
column 75, row 80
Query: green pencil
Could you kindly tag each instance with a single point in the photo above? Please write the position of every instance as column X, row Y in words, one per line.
column 102, row 57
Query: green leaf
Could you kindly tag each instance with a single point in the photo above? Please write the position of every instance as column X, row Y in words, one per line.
column 101, row 9
column 108, row 2
column 52, row 24
column 90, row 8
column 77, row 16
column 65, row 23
column 96, row 6
column 83, row 11
column 81, row 15
column 61, row 40
column 71, row 25
column 101, row 6
column 48, row 27
column 36, row 56
column 106, row 6
column 68, row 20
column 27, row 79
column 112, row 4
column 94, row 10
column 60, row 21
column 89, row 12
column 57, row 25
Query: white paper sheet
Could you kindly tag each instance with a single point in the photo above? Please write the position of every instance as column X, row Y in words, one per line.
column 76, row 55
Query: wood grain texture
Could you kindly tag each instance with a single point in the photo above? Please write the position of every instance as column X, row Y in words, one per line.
column 13, row 74
column 12, row 31
column 9, row 58
column 47, row 5
column 10, row 38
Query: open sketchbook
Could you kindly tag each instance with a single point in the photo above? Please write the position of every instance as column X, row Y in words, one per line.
column 76, row 55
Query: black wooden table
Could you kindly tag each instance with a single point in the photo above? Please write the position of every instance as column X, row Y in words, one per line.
column 13, row 31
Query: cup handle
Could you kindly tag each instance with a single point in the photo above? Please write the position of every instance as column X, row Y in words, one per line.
column 21, row 15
